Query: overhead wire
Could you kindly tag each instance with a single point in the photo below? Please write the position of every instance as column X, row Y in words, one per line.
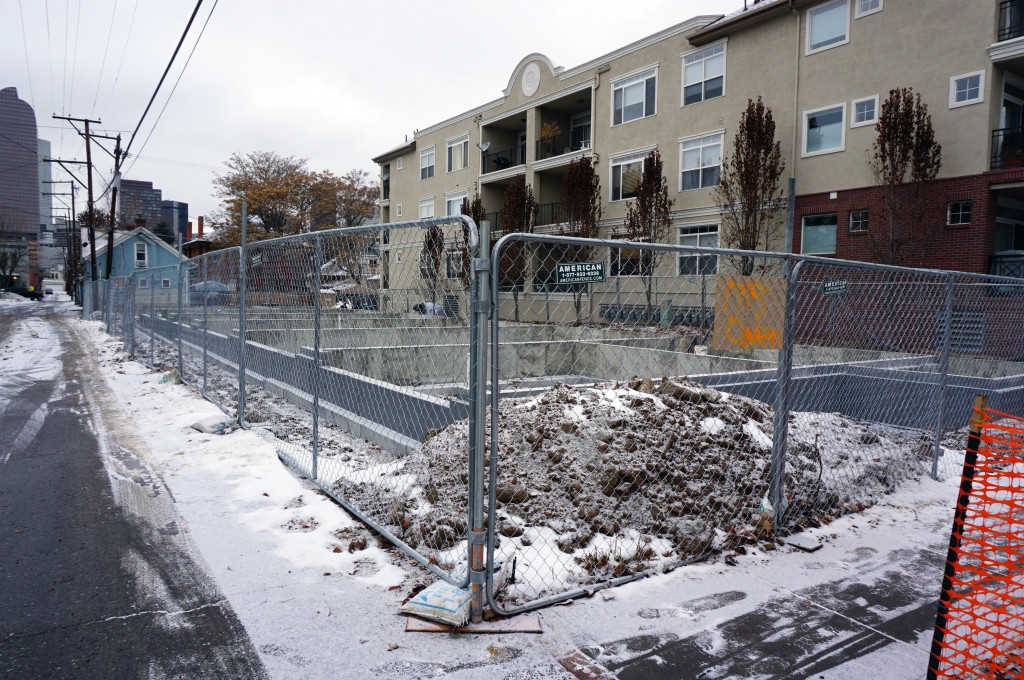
column 28, row 67
column 103, row 62
column 175, row 87
column 127, row 40
column 67, row 30
column 49, row 51
column 74, row 55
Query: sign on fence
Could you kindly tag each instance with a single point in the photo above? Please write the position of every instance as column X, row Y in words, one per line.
column 579, row 272
column 749, row 312
column 834, row 287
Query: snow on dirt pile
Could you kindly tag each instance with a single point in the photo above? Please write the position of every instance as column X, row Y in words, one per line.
column 619, row 478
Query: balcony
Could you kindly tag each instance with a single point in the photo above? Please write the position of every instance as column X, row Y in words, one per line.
column 1011, row 20
column 567, row 142
column 1008, row 263
column 503, row 159
column 547, row 213
column 1007, row 148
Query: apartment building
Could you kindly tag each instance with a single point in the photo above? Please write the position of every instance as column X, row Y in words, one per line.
column 824, row 68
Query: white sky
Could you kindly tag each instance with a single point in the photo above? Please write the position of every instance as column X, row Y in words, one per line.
column 316, row 79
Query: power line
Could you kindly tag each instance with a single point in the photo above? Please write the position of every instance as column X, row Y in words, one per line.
column 35, row 151
column 103, row 63
column 49, row 54
column 127, row 40
column 64, row 80
column 24, row 43
column 74, row 57
column 173, row 89
column 164, row 76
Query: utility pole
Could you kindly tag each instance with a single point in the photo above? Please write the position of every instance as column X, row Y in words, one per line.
column 92, row 225
column 115, row 184
column 77, row 250
column 74, row 239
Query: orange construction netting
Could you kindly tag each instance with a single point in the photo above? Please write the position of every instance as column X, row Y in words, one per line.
column 979, row 630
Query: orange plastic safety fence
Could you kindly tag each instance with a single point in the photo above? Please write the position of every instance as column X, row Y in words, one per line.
column 980, row 625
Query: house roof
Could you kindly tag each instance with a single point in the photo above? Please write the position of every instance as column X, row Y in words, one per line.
column 753, row 11
column 401, row 148
column 125, row 236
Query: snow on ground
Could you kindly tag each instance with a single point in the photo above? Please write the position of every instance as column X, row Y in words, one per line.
column 319, row 594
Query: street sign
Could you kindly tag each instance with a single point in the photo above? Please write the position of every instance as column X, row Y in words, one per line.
column 834, row 287
column 579, row 272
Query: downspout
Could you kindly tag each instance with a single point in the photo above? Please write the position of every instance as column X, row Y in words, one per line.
column 796, row 94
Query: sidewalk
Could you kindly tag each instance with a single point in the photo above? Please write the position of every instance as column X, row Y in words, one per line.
column 860, row 607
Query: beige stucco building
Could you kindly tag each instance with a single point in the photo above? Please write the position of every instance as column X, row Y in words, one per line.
column 823, row 67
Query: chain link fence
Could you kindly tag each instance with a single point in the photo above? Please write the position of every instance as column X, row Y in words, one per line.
column 649, row 405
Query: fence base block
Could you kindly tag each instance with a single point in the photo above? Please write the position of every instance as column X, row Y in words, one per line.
column 526, row 623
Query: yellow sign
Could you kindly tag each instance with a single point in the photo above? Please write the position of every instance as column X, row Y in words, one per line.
column 749, row 312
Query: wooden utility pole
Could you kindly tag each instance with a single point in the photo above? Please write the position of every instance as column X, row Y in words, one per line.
column 115, row 184
column 88, row 167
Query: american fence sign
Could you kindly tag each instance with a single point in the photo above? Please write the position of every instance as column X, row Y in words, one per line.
column 579, row 272
column 834, row 287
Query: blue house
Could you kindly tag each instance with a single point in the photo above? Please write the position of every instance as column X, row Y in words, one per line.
column 140, row 250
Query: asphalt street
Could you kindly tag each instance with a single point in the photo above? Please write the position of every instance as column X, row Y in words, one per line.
column 97, row 577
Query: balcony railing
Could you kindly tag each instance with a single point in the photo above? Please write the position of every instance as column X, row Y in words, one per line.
column 1011, row 19
column 1008, row 148
column 547, row 213
column 506, row 158
column 1008, row 263
column 567, row 142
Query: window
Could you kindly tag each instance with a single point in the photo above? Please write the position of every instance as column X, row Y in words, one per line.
column 701, row 236
column 140, row 255
column 398, row 210
column 626, row 173
column 858, row 221
column 967, row 89
column 458, row 153
column 819, row 235
column 143, row 283
column 398, row 256
column 633, row 96
column 453, row 202
column 828, row 26
column 426, row 207
column 427, row 163
column 626, row 261
column 960, row 212
column 165, row 283
column 704, row 74
column 398, row 163
column 866, row 7
column 824, row 131
column 701, row 161
column 453, row 263
column 864, row 111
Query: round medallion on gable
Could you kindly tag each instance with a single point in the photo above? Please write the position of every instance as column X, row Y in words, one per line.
column 531, row 78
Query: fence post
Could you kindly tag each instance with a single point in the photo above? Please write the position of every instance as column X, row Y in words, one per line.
column 783, row 375
column 943, row 375
column 481, row 308
column 318, row 265
column 206, row 324
column 243, row 279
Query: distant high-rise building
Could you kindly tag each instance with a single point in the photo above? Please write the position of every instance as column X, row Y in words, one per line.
column 19, row 165
column 175, row 214
column 138, row 200
column 45, row 188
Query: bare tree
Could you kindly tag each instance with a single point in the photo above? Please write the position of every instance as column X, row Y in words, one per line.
column 904, row 156
column 581, row 213
column 748, row 192
column 518, row 215
column 11, row 256
column 648, row 218
column 431, row 260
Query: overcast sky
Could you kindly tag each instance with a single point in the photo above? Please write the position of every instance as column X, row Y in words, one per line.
column 314, row 79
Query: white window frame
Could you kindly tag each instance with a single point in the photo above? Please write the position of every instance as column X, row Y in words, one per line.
column 679, row 240
column 398, row 163
column 803, row 230
column 398, row 257
column 617, row 84
column 624, row 159
column 427, row 203
column 424, row 154
column 452, row 261
column 165, row 283
column 460, row 196
column 398, row 210
column 949, row 213
column 810, row 16
column 953, row 103
column 804, row 153
column 682, row 167
column 861, row 230
column 853, row 112
column 709, row 48
column 450, row 144
column 143, row 282
column 858, row 12
column 615, row 258
column 144, row 262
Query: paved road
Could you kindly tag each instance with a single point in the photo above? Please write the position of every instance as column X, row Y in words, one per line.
column 97, row 577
